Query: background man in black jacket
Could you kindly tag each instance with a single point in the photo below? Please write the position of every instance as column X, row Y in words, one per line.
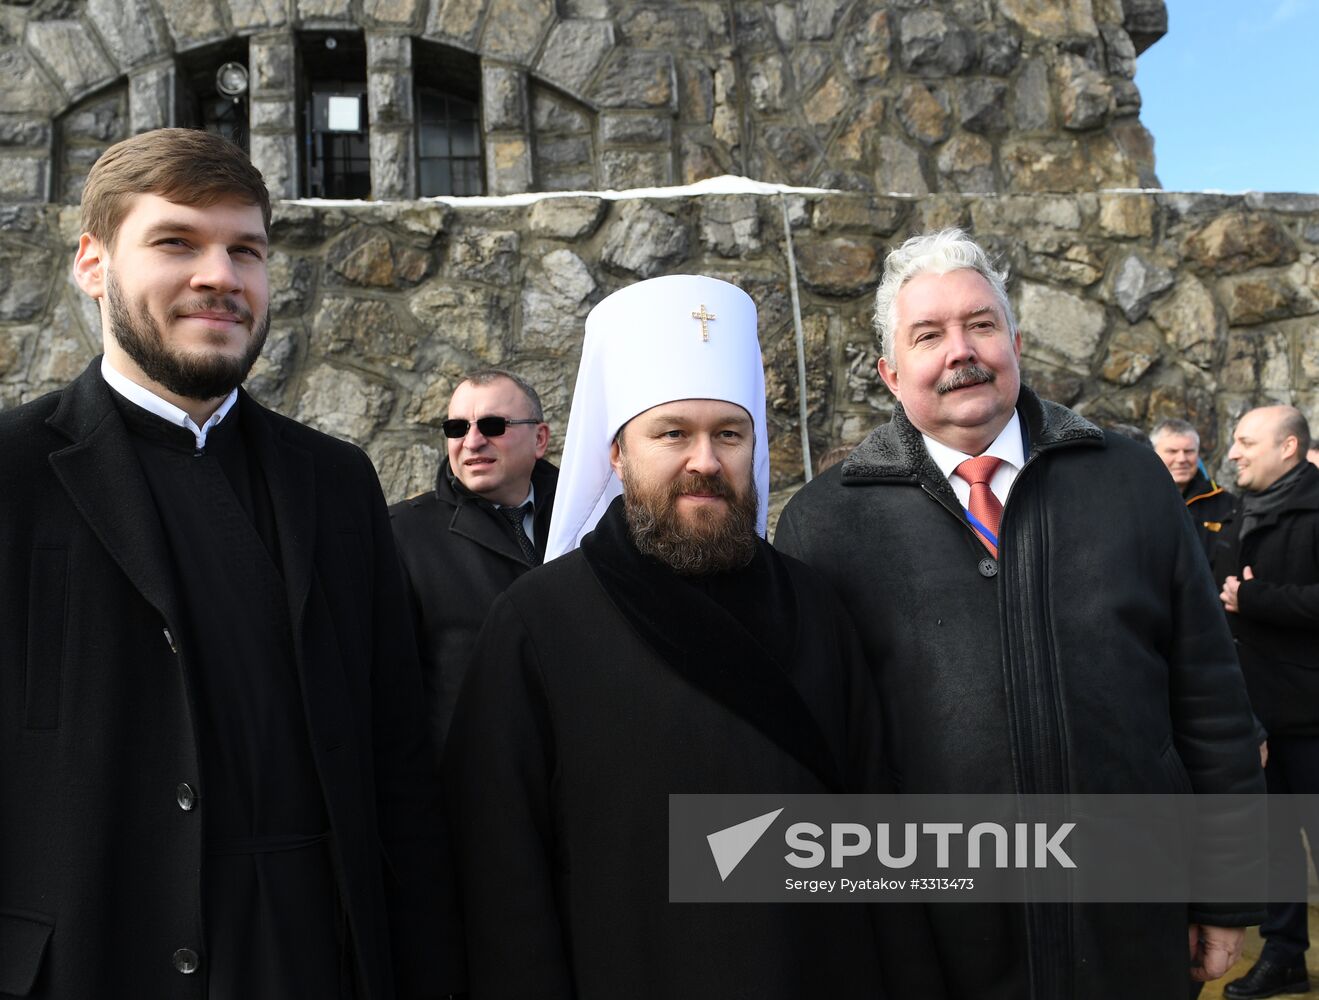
column 216, row 780
column 1267, row 561
column 1177, row 442
column 464, row 542
column 1068, row 641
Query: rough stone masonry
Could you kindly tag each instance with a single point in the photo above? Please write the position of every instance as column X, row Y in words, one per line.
column 1133, row 305
column 1018, row 119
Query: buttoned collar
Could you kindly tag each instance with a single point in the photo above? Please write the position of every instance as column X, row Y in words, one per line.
column 1007, row 446
column 530, row 499
column 149, row 401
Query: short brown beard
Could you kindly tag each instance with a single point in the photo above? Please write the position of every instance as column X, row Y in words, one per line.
column 192, row 377
column 718, row 541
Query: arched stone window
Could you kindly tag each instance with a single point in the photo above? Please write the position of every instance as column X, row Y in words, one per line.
column 201, row 97
column 448, row 119
column 83, row 133
column 333, row 123
column 563, row 131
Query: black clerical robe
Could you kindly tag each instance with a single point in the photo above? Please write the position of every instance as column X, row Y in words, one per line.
column 591, row 698
column 274, row 922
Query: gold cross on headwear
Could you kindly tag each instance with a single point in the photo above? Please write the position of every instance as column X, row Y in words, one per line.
column 705, row 318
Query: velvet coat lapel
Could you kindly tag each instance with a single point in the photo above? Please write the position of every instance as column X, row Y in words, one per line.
column 712, row 649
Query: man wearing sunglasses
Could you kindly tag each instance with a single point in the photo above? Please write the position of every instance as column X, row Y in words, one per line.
column 483, row 526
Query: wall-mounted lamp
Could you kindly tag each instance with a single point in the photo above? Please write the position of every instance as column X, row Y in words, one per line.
column 231, row 80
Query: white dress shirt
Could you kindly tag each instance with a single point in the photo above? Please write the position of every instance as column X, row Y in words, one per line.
column 529, row 518
column 1006, row 446
column 152, row 403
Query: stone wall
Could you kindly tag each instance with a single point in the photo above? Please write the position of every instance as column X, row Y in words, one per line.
column 912, row 96
column 1133, row 305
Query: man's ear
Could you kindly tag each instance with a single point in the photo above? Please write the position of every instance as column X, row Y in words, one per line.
column 616, row 455
column 89, row 265
column 889, row 374
column 542, row 439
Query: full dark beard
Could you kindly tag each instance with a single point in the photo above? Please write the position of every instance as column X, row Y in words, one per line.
column 201, row 377
column 718, row 541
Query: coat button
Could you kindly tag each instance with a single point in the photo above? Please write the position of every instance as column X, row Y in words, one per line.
column 186, row 797
column 988, row 567
column 185, row 960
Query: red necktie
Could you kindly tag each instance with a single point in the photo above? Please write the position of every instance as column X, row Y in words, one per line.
column 984, row 506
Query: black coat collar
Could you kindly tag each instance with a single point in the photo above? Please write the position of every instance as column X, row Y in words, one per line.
column 102, row 474
column 474, row 519
column 1302, row 496
column 895, row 452
column 710, row 648
column 1199, row 487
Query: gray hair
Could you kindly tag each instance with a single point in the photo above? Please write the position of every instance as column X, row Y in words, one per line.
column 933, row 253
column 484, row 376
column 1172, row 425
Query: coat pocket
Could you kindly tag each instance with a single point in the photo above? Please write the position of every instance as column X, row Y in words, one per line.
column 1174, row 771
column 23, row 940
column 46, row 625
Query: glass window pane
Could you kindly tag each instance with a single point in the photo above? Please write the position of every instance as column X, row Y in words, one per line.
column 473, row 180
column 464, row 138
column 434, row 139
column 462, row 110
column 430, row 106
column 448, row 144
column 435, row 178
column 460, row 182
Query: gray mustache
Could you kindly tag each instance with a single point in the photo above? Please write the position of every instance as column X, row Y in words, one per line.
column 960, row 379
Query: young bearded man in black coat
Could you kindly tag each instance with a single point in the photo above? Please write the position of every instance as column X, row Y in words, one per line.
column 216, row 780
column 483, row 526
column 1267, row 562
column 1040, row 619
column 673, row 651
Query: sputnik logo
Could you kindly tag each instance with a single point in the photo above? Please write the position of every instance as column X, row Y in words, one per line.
column 731, row 844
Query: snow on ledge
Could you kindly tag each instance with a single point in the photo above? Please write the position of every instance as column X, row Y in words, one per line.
column 727, row 184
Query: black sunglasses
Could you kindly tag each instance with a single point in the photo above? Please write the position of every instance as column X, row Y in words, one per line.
column 491, row 427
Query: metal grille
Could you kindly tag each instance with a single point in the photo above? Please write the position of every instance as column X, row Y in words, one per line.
column 448, row 144
column 338, row 162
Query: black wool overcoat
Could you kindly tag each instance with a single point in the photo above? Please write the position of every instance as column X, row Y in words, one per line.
column 100, row 867
column 1277, row 628
column 1090, row 657
column 457, row 558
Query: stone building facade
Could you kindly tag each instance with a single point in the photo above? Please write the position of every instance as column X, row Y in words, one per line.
column 912, row 96
column 1014, row 118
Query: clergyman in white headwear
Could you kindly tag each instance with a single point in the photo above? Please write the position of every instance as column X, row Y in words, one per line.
column 666, row 649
